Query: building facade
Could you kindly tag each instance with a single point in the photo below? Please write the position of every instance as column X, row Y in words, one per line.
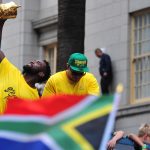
column 121, row 26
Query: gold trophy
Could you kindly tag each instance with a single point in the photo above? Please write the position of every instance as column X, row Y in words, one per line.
column 8, row 10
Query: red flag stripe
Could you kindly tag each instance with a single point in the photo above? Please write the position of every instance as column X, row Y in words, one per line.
column 44, row 106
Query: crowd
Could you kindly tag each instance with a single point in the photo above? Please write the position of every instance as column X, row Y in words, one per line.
column 75, row 80
column 36, row 81
column 141, row 140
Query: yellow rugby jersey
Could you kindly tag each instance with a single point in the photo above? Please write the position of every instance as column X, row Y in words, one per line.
column 12, row 83
column 60, row 84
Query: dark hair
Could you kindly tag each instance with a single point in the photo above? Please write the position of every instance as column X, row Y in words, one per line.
column 98, row 49
column 47, row 72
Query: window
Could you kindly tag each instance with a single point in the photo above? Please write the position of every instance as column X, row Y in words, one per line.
column 140, row 57
column 50, row 52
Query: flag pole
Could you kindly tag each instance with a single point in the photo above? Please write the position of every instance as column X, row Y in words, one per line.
column 111, row 118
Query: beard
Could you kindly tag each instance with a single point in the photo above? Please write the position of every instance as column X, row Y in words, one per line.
column 29, row 70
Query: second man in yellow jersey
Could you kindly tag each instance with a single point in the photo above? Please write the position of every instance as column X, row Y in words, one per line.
column 74, row 80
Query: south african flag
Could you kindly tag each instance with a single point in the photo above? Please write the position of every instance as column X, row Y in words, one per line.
column 58, row 123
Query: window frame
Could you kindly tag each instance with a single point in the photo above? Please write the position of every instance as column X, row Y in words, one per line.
column 46, row 52
column 134, row 58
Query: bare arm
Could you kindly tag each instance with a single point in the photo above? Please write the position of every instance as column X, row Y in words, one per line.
column 9, row 12
column 2, row 56
column 2, row 21
column 118, row 135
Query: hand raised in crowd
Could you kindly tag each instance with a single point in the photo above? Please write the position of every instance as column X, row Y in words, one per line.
column 111, row 144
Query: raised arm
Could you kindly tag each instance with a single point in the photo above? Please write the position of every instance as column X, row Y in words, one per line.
column 2, row 56
column 117, row 135
column 2, row 21
column 7, row 11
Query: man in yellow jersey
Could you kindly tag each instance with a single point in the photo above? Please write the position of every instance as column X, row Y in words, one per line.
column 13, row 83
column 75, row 80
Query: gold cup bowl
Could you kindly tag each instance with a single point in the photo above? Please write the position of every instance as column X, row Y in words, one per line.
column 8, row 10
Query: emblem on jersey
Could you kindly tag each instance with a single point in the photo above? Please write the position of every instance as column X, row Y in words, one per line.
column 10, row 92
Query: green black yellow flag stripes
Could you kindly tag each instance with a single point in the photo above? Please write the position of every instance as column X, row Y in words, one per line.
column 57, row 122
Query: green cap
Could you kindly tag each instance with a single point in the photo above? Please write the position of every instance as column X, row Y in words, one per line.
column 78, row 62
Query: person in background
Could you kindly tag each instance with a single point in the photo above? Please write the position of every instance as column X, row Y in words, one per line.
column 105, row 70
column 75, row 80
column 141, row 140
column 13, row 83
